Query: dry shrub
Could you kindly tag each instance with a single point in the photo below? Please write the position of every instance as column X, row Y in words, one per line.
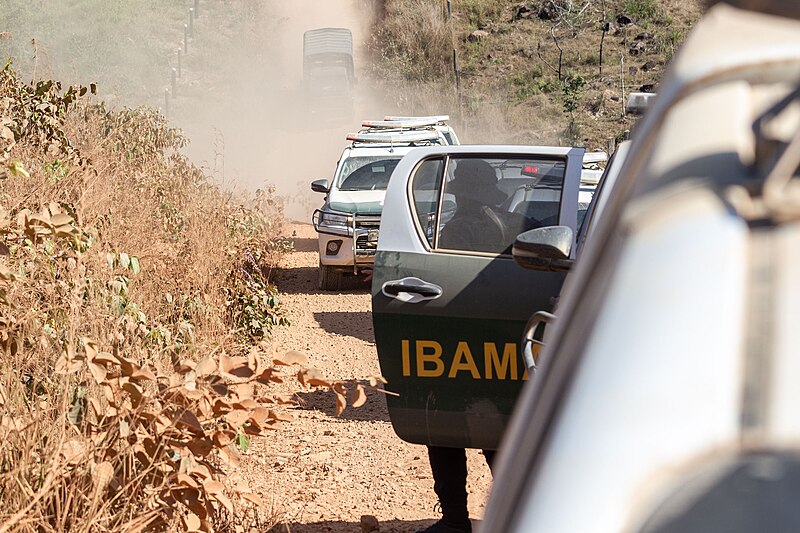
column 415, row 39
column 134, row 302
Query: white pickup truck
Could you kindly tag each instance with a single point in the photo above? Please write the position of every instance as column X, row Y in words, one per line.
column 349, row 220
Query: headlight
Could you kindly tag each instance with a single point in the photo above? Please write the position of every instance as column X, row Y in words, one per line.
column 329, row 219
column 333, row 223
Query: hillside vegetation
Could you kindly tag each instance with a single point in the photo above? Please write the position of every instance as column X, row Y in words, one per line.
column 537, row 71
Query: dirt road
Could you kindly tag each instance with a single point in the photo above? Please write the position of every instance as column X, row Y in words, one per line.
column 324, row 472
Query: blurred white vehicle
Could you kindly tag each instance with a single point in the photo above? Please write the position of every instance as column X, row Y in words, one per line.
column 667, row 396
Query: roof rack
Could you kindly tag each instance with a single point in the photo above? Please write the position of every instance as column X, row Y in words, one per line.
column 401, row 124
column 436, row 119
column 394, row 137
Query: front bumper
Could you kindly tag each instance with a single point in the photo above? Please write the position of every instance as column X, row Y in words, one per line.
column 359, row 239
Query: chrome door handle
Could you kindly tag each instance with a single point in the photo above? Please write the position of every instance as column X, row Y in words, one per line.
column 540, row 317
column 411, row 290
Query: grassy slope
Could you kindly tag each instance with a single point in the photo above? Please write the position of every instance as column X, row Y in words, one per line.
column 517, row 86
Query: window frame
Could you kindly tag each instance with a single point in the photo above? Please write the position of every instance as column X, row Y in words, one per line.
column 433, row 247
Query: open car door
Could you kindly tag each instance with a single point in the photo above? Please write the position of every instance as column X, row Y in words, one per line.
column 449, row 303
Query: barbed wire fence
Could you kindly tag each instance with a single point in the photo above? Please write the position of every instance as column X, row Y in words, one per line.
column 447, row 10
column 177, row 72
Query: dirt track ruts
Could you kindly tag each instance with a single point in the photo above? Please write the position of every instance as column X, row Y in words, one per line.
column 323, row 472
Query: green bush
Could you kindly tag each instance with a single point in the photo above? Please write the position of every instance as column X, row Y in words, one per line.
column 253, row 304
column 571, row 89
column 533, row 82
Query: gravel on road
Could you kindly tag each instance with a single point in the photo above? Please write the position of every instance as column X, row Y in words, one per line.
column 323, row 472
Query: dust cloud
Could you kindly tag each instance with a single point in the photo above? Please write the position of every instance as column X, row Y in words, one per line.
column 258, row 134
column 238, row 89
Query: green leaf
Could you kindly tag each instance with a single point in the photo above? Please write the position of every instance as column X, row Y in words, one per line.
column 124, row 260
column 110, row 259
column 135, row 266
column 243, row 442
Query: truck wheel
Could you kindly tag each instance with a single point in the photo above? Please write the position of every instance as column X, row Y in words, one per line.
column 330, row 279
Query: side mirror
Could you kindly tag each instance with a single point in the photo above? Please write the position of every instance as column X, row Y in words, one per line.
column 545, row 248
column 320, row 186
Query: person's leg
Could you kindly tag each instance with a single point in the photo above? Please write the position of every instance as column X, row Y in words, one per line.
column 449, row 468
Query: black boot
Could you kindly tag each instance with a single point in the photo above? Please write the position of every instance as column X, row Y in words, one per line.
column 443, row 527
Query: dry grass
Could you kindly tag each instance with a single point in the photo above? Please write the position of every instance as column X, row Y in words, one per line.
column 134, row 308
column 416, row 39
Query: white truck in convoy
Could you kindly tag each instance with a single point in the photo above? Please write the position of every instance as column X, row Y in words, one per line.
column 349, row 220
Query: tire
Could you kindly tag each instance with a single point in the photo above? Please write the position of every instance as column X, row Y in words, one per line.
column 330, row 279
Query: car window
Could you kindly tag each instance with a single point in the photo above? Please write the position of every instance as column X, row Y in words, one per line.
column 425, row 187
column 366, row 173
column 486, row 202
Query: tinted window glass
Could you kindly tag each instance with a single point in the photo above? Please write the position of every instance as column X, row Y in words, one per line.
column 425, row 189
column 489, row 201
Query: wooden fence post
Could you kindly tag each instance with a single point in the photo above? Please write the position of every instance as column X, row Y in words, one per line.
column 622, row 81
column 455, row 71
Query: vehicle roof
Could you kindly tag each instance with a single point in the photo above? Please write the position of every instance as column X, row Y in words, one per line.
column 328, row 41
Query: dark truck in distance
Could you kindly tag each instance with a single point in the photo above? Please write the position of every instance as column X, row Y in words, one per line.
column 328, row 73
